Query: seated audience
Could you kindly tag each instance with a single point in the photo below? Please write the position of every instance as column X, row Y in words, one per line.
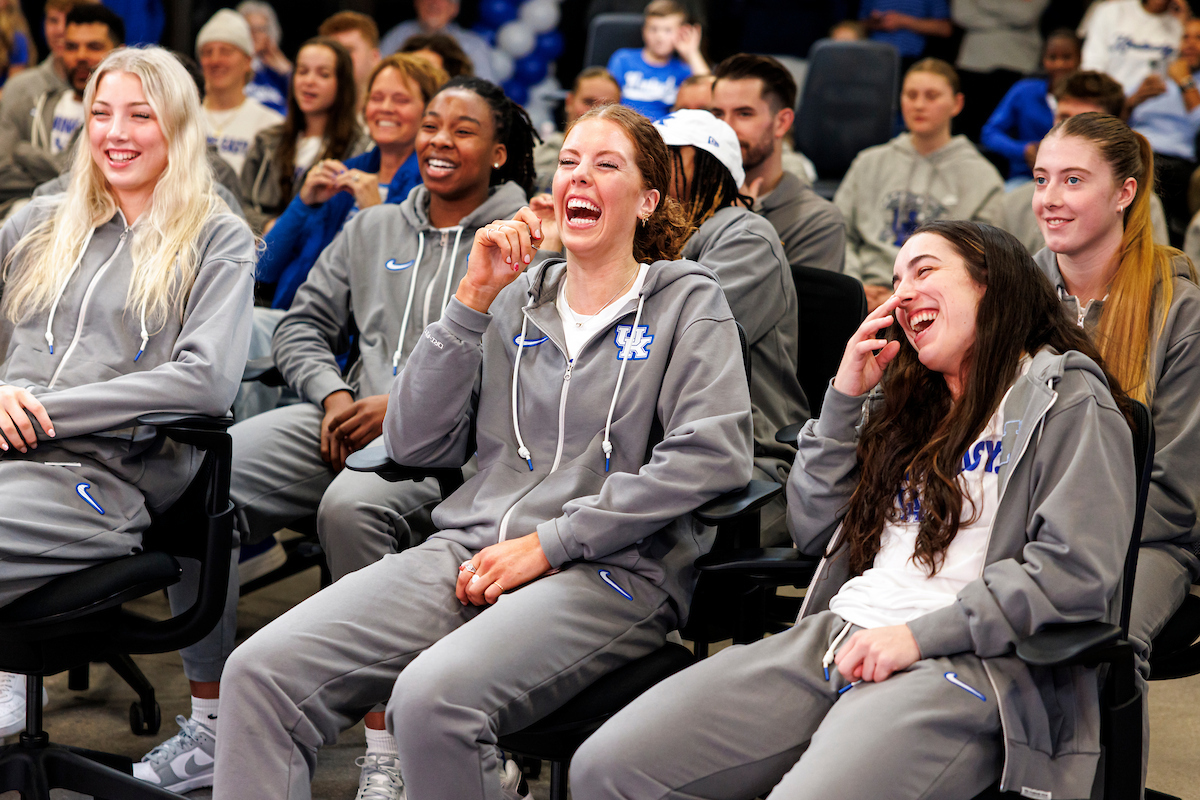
column 437, row 16
column 593, row 87
column 899, row 679
column 755, row 95
column 272, row 70
column 16, row 44
column 694, row 93
column 1079, row 93
column 1024, row 115
column 1167, row 113
column 441, row 51
column 225, row 50
column 584, row 530
column 165, row 330
column 650, row 76
column 321, row 124
column 922, row 175
column 389, row 274
column 1140, row 304
column 904, row 24
column 359, row 35
column 1130, row 39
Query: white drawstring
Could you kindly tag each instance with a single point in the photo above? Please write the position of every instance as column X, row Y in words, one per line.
column 522, row 450
column 145, row 336
column 606, row 445
column 412, row 290
column 828, row 657
column 450, row 271
column 62, row 287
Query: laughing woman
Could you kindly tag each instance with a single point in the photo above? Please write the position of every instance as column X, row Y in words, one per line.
column 128, row 294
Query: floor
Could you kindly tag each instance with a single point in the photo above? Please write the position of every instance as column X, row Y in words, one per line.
column 98, row 717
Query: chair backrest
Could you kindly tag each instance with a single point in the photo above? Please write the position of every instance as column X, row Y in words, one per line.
column 608, row 33
column 848, row 104
column 831, row 307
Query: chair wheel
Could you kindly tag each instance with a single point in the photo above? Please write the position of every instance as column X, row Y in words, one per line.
column 143, row 724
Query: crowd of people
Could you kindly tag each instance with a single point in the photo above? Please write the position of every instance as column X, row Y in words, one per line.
column 564, row 317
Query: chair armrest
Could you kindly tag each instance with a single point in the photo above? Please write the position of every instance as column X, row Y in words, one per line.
column 264, row 371
column 1065, row 645
column 751, row 497
column 375, row 459
column 756, row 559
column 167, row 419
column 789, row 433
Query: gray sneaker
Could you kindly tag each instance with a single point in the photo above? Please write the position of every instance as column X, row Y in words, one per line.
column 182, row 763
column 380, row 778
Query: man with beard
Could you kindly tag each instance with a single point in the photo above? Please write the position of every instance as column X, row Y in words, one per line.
column 756, row 96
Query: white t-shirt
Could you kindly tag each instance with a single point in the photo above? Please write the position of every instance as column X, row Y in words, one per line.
column 579, row 328
column 68, row 116
column 233, row 130
column 307, row 150
column 1128, row 43
column 897, row 589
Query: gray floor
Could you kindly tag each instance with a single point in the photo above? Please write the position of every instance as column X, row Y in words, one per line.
column 98, row 718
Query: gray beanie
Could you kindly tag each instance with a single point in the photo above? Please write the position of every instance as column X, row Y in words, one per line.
column 226, row 26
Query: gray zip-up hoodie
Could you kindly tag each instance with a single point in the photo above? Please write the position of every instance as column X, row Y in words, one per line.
column 891, row 189
column 1055, row 553
column 744, row 250
column 392, row 272
column 1174, row 499
column 606, row 456
column 96, row 366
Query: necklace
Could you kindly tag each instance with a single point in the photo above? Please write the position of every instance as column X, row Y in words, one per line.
column 586, row 317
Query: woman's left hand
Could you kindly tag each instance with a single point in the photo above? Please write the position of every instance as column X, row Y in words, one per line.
column 873, row 655
column 500, row 568
column 363, row 185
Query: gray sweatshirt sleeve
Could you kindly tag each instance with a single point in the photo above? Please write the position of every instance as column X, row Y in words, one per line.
column 207, row 359
column 823, row 245
column 1080, row 519
column 317, row 325
column 1174, row 491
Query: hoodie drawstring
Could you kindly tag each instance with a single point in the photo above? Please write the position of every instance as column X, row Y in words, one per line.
column 827, row 659
column 62, row 287
column 606, row 445
column 412, row 290
column 522, row 450
column 450, row 272
column 145, row 336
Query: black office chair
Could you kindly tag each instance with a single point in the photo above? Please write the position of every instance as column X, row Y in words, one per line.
column 608, row 33
column 848, row 105
column 79, row 618
column 831, row 307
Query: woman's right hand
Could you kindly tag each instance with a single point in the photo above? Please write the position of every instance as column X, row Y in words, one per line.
column 14, row 421
column 862, row 368
column 321, row 182
column 501, row 250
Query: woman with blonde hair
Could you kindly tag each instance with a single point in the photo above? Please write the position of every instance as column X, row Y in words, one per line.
column 130, row 293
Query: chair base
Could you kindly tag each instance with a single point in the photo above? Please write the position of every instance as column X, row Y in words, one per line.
column 34, row 770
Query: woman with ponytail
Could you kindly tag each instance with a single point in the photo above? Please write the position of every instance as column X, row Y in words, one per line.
column 1140, row 304
column 129, row 293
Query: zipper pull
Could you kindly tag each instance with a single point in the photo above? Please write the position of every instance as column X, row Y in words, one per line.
column 570, row 365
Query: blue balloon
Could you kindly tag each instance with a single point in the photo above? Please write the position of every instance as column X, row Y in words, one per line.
column 550, row 45
column 530, row 69
column 485, row 32
column 516, row 91
column 497, row 12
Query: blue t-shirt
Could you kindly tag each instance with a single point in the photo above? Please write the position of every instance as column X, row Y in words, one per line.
column 909, row 44
column 645, row 88
column 19, row 55
column 1023, row 116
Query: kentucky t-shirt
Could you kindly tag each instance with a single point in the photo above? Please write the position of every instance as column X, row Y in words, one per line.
column 68, row 116
column 644, row 87
column 233, row 130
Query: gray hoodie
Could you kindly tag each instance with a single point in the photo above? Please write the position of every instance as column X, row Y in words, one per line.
column 673, row 415
column 29, row 161
column 891, row 189
column 811, row 227
column 96, row 366
column 1000, row 34
column 1055, row 554
column 391, row 272
column 1174, row 498
column 744, row 251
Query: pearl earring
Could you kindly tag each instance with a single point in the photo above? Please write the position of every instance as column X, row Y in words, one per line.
column 495, row 166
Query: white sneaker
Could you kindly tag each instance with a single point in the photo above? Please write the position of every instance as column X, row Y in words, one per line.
column 511, row 781
column 182, row 763
column 380, row 778
column 256, row 560
column 12, row 703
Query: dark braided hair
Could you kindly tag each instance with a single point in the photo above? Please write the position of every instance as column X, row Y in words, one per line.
column 514, row 130
column 711, row 188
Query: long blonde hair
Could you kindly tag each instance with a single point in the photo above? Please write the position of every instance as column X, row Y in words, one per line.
column 165, row 237
column 1123, row 335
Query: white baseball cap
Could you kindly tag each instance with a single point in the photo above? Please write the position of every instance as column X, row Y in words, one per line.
column 701, row 129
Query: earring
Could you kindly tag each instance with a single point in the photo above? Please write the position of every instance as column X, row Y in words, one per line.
column 644, row 220
column 495, row 166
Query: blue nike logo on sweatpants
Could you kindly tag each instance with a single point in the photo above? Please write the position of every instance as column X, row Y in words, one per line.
column 82, row 491
column 606, row 576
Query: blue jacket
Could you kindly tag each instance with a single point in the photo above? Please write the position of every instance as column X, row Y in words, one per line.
column 303, row 231
column 1023, row 116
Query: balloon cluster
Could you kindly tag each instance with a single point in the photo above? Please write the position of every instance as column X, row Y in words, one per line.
column 526, row 41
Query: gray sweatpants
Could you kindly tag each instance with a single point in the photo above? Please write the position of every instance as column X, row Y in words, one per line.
column 457, row 676
column 758, row 716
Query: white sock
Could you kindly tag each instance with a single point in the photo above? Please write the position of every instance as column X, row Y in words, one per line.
column 381, row 743
column 204, row 711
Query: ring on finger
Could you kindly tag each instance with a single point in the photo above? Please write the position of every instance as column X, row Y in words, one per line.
column 497, row 583
column 468, row 567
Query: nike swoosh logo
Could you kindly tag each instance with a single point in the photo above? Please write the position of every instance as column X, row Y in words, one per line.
column 953, row 678
column 517, row 340
column 192, row 764
column 392, row 266
column 82, row 491
column 606, row 576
